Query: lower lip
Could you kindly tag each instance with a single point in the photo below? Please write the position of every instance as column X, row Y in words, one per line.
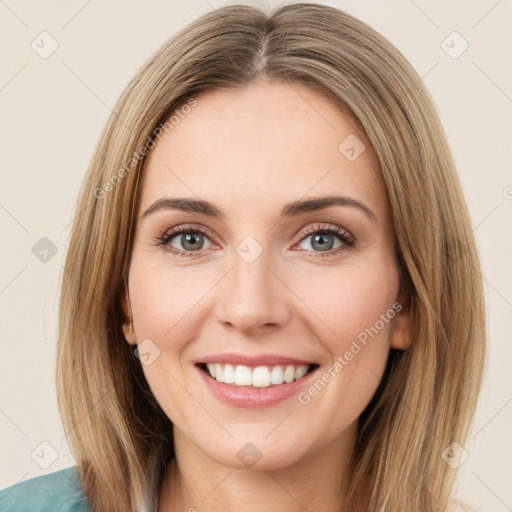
column 251, row 397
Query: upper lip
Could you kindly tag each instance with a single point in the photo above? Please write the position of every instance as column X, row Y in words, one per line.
column 255, row 360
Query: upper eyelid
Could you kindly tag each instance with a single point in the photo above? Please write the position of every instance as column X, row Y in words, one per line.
column 185, row 228
column 173, row 232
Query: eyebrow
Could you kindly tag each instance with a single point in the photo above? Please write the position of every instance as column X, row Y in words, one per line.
column 292, row 209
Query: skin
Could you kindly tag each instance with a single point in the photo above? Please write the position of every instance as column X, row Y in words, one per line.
column 250, row 151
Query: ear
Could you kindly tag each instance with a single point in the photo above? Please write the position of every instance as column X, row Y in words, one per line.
column 128, row 329
column 401, row 335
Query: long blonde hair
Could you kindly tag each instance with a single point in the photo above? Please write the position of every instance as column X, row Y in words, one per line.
column 120, row 437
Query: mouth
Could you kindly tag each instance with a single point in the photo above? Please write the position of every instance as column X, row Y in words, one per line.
column 257, row 377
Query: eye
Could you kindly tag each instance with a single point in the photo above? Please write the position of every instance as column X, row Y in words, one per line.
column 191, row 239
column 322, row 238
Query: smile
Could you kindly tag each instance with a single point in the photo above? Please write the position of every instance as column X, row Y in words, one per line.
column 258, row 377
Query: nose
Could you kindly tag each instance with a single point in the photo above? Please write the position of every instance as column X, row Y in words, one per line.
column 253, row 297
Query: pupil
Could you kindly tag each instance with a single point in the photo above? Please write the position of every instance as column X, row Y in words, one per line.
column 321, row 240
column 189, row 240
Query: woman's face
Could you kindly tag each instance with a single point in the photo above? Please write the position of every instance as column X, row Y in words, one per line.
column 253, row 275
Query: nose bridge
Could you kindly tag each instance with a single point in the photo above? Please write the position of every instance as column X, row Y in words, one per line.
column 252, row 296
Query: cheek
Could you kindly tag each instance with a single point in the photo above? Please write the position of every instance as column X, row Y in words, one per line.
column 353, row 319
column 163, row 301
column 162, row 305
column 348, row 303
column 167, row 305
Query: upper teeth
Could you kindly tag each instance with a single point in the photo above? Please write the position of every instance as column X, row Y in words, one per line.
column 261, row 376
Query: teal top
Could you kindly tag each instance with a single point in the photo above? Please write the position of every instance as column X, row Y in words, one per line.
column 56, row 492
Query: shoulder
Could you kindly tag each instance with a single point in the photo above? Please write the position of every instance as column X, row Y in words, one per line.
column 56, row 492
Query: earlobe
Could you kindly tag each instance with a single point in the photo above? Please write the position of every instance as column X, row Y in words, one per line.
column 129, row 333
column 401, row 336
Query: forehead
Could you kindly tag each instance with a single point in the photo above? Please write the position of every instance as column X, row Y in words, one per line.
column 269, row 141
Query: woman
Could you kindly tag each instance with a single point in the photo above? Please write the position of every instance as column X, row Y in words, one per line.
column 322, row 347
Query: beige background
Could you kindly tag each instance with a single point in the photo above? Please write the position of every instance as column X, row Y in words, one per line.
column 52, row 112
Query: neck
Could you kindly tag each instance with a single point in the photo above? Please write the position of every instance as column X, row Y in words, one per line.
column 319, row 481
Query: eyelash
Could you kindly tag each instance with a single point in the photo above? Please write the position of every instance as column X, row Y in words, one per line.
column 163, row 239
